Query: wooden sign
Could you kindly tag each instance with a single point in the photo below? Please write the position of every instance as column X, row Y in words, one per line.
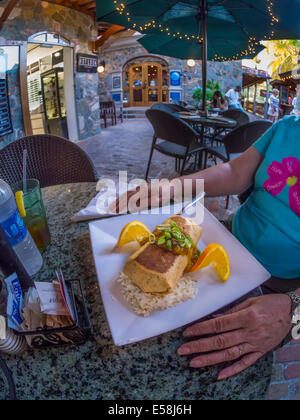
column 87, row 63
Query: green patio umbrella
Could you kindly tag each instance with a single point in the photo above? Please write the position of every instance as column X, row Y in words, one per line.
column 218, row 50
column 248, row 21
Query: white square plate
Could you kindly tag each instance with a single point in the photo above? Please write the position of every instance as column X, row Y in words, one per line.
column 127, row 327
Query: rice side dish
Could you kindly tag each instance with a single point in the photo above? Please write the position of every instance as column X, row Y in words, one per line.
column 144, row 304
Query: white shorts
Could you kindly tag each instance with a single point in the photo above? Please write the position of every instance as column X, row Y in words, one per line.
column 273, row 114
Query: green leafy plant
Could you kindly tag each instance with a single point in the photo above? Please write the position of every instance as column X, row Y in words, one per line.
column 211, row 88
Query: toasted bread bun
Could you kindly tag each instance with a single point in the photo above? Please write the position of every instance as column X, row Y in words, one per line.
column 156, row 270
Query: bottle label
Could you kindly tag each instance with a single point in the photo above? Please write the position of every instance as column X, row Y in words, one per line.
column 14, row 229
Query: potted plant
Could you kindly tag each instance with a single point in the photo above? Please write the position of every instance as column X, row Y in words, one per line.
column 211, row 88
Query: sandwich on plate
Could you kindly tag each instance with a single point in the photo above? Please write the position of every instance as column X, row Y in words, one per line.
column 156, row 276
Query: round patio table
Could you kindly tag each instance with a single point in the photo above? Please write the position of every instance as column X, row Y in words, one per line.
column 149, row 370
column 212, row 122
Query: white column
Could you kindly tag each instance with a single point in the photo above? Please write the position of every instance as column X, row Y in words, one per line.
column 69, row 87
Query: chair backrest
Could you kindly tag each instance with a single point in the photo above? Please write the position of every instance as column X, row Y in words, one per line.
column 180, row 103
column 170, row 128
column 50, row 159
column 170, row 108
column 240, row 139
column 240, row 117
column 108, row 107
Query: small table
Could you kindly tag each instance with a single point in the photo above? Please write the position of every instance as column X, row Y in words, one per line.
column 213, row 122
column 150, row 370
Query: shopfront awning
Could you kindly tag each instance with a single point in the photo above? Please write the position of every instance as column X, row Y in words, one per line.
column 252, row 77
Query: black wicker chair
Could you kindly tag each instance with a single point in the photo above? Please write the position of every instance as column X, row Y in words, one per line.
column 181, row 141
column 180, row 103
column 170, row 108
column 50, row 159
column 241, row 117
column 238, row 141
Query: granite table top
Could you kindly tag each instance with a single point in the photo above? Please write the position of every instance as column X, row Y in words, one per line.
column 150, row 370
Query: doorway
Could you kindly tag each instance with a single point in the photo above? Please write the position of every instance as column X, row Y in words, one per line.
column 51, row 95
column 145, row 84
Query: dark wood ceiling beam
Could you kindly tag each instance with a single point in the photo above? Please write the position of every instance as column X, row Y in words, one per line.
column 88, row 5
column 107, row 34
column 83, row 2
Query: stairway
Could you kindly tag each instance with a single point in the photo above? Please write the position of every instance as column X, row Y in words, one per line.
column 134, row 112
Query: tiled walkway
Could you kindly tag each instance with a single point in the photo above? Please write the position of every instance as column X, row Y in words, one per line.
column 126, row 147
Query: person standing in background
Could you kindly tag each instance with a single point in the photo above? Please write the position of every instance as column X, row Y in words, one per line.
column 233, row 97
column 296, row 103
column 273, row 112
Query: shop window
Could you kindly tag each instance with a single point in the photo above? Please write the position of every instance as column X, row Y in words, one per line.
column 48, row 38
column 9, row 73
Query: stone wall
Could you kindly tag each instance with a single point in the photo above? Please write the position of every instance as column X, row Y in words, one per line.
column 33, row 16
column 229, row 74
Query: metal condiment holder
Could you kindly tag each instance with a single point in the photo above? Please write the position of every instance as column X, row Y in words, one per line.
column 76, row 334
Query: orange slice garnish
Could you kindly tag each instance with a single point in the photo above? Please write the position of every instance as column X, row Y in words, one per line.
column 133, row 231
column 216, row 256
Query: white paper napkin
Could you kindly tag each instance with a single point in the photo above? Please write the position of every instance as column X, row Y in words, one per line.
column 98, row 206
column 92, row 211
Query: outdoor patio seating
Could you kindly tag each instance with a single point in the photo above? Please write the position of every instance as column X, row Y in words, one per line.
column 108, row 112
column 50, row 159
column 240, row 117
column 181, row 141
column 170, row 108
column 236, row 143
column 181, row 103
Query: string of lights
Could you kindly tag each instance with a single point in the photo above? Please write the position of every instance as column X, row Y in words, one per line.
column 123, row 10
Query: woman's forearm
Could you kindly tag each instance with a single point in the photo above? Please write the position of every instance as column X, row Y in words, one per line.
column 229, row 178
column 218, row 180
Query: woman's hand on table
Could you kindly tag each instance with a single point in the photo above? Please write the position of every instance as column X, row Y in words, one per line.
column 245, row 334
column 143, row 197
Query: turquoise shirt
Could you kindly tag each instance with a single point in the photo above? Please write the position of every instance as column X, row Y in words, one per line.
column 268, row 224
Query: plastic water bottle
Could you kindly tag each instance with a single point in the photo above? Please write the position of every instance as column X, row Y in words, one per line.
column 16, row 231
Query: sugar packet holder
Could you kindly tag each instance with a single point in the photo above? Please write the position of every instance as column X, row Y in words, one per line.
column 76, row 334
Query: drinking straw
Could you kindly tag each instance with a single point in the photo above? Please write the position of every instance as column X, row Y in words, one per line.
column 24, row 171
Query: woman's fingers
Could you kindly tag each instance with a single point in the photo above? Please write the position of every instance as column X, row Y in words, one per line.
column 243, row 364
column 217, row 325
column 226, row 355
column 217, row 342
column 121, row 204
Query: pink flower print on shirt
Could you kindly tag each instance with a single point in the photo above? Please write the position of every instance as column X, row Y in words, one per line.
column 285, row 174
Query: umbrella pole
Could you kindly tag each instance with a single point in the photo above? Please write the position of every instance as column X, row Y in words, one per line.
column 204, row 54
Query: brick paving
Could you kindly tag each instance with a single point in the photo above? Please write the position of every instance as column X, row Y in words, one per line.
column 126, row 147
column 285, row 382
